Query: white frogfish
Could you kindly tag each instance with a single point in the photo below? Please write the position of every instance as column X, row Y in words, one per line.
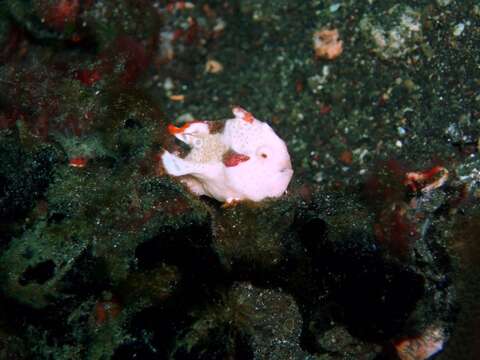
column 245, row 160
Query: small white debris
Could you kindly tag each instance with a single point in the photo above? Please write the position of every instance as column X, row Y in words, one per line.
column 334, row 7
column 168, row 84
column 398, row 144
column 316, row 82
column 444, row 2
column 185, row 118
column 213, row 66
column 319, row 177
column 458, row 29
column 220, row 25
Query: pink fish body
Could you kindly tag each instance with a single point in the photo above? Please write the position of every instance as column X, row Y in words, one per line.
column 245, row 161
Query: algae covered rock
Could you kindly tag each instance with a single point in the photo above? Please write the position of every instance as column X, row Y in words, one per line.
column 89, row 213
column 341, row 345
column 251, row 236
column 246, row 323
column 43, row 19
column 73, row 21
column 360, row 281
column 25, row 173
column 34, row 264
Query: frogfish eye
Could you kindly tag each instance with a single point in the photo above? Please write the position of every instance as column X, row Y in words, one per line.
column 263, row 152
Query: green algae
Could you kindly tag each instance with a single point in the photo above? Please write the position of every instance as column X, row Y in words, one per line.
column 253, row 236
column 245, row 315
column 25, row 173
column 55, row 246
column 464, row 239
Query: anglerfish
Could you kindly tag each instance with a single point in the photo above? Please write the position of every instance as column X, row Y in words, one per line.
column 245, row 160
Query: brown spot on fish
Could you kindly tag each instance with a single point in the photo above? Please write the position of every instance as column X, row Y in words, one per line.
column 216, row 127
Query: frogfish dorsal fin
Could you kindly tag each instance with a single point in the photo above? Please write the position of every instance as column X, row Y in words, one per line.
column 243, row 114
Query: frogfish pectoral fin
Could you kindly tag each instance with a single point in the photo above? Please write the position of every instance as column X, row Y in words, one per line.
column 174, row 165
